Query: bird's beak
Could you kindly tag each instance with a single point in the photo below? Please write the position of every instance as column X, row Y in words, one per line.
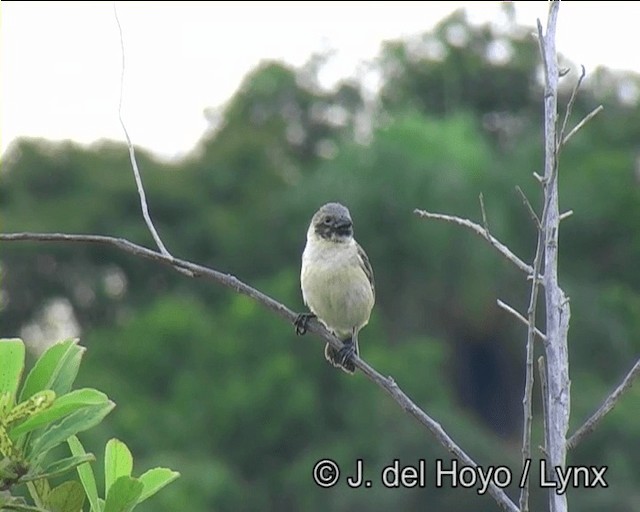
column 343, row 223
column 343, row 226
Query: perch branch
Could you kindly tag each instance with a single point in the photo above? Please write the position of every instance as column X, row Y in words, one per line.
column 229, row 281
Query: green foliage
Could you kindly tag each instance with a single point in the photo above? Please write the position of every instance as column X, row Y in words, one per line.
column 462, row 66
column 51, row 414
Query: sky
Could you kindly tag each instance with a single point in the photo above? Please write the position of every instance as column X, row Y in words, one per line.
column 61, row 61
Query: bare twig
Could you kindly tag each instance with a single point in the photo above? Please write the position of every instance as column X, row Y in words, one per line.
column 485, row 222
column 132, row 153
column 565, row 215
column 606, row 406
column 530, row 209
column 527, row 399
column 584, row 121
column 541, row 43
column 479, row 230
column 521, row 318
column 572, row 100
column 229, row 281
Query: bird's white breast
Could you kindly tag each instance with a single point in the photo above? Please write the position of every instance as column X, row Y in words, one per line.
column 335, row 286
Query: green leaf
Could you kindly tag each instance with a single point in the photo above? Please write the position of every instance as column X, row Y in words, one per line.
column 62, row 406
column 117, row 462
column 67, row 497
column 85, row 472
column 20, row 507
column 6, row 402
column 123, row 495
column 12, row 359
column 39, row 490
column 77, row 421
column 41, row 401
column 60, row 467
column 7, row 448
column 56, row 369
column 155, row 479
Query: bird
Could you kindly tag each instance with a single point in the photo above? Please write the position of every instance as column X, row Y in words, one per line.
column 337, row 282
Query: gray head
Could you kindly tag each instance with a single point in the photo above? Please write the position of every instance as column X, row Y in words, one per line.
column 332, row 222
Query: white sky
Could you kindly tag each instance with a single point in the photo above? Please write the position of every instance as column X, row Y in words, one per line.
column 61, row 62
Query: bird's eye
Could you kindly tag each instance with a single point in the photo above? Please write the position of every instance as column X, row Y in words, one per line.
column 327, row 221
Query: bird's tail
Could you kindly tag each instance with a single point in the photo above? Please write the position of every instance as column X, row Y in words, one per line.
column 343, row 358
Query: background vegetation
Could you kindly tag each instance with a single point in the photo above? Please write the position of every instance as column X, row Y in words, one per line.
column 211, row 385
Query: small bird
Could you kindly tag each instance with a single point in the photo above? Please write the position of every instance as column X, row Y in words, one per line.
column 337, row 282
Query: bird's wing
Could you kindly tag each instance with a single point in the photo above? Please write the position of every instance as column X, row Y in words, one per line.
column 366, row 266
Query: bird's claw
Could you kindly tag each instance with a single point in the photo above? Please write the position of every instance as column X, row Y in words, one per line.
column 301, row 322
column 345, row 357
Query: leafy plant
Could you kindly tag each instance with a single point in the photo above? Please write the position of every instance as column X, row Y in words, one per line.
column 45, row 413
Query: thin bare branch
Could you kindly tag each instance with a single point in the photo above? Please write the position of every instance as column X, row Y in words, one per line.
column 540, row 179
column 572, row 100
column 586, row 119
column 530, row 209
column 527, row 398
column 386, row 383
column 566, row 215
column 479, row 230
column 606, row 406
column 132, row 153
column 521, row 318
column 485, row 222
column 541, row 43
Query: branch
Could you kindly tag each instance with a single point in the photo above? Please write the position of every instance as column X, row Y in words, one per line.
column 483, row 232
column 527, row 399
column 572, row 100
column 229, row 281
column 565, row 215
column 562, row 140
column 485, row 222
column 606, row 406
column 132, row 153
column 556, row 304
column 586, row 119
column 522, row 319
column 530, row 209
